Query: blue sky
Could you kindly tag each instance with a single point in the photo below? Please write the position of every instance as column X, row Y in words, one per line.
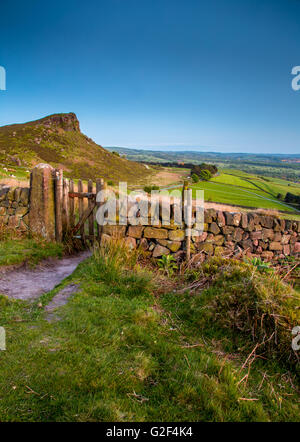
column 213, row 75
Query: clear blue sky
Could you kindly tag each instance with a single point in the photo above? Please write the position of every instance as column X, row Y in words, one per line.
column 212, row 74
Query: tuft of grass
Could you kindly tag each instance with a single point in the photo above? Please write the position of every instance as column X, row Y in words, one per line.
column 254, row 309
column 17, row 249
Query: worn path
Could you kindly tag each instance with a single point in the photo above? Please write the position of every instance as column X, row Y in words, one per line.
column 27, row 284
column 61, row 298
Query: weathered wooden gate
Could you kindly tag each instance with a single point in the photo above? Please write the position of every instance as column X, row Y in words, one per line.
column 76, row 209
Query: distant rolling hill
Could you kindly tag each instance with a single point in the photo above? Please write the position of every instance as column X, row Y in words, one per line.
column 57, row 140
column 285, row 166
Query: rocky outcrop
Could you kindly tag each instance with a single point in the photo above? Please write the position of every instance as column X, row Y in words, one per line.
column 67, row 122
column 57, row 140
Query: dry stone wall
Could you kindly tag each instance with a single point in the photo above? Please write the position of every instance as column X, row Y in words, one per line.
column 224, row 233
column 14, row 207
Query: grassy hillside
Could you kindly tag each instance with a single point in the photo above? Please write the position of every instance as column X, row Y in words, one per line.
column 57, row 140
column 281, row 166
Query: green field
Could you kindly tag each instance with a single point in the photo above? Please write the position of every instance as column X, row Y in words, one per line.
column 271, row 186
column 241, row 188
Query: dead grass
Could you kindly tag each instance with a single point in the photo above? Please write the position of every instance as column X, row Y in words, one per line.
column 259, row 307
column 225, row 207
column 14, row 182
column 165, row 177
column 269, row 212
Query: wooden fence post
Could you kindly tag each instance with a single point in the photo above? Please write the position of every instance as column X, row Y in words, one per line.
column 65, row 209
column 186, row 219
column 58, row 204
column 81, row 210
column 91, row 217
column 99, row 188
column 72, row 206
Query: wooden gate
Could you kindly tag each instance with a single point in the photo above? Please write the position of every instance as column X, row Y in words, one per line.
column 76, row 208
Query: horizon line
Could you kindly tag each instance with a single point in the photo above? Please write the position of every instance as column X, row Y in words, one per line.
column 168, row 149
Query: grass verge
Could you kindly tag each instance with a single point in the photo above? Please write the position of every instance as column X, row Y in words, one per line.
column 17, row 249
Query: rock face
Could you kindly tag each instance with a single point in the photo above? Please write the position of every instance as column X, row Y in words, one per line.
column 42, row 202
column 67, row 122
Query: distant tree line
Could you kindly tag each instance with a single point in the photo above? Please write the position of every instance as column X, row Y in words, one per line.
column 292, row 199
column 203, row 172
column 148, row 189
column 169, row 164
column 198, row 168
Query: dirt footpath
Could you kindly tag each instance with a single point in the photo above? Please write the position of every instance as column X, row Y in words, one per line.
column 27, row 284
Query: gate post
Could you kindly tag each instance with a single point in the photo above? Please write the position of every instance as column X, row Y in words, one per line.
column 42, row 202
column 58, row 198
column 187, row 215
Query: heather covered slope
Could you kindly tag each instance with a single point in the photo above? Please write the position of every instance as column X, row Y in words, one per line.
column 57, row 140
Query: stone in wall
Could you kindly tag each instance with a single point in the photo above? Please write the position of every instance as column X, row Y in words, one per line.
column 159, row 251
column 135, row 231
column 114, row 231
column 155, row 233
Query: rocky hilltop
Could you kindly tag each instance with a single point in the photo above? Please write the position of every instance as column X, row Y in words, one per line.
column 57, row 140
column 68, row 122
